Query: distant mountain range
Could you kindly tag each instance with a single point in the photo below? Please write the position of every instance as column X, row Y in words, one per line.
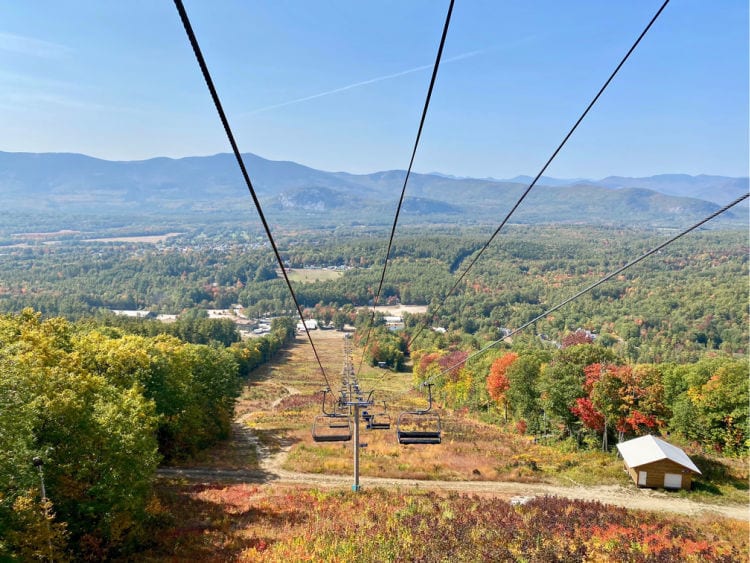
column 75, row 183
column 717, row 189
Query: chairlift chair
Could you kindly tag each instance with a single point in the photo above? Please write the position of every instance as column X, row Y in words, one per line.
column 380, row 420
column 338, row 420
column 331, row 426
column 328, row 428
column 420, row 426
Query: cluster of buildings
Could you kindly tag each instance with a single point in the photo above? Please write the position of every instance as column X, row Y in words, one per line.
column 246, row 326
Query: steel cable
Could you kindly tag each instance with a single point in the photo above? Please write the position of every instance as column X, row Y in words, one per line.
column 546, row 165
column 227, row 129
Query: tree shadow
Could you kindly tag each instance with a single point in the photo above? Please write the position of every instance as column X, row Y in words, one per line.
column 704, row 487
column 264, row 372
column 213, row 522
column 715, row 473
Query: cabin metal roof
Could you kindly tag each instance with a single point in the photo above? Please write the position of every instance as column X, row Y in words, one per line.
column 648, row 449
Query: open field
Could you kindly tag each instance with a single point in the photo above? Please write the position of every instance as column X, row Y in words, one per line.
column 470, row 451
column 61, row 232
column 150, row 239
column 398, row 310
column 280, row 403
column 310, row 275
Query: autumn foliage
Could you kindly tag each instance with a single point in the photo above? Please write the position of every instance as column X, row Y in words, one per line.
column 578, row 337
column 272, row 523
column 99, row 409
column 497, row 381
column 591, row 418
column 625, row 398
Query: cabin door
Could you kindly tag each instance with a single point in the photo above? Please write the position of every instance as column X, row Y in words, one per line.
column 642, row 478
column 672, row 481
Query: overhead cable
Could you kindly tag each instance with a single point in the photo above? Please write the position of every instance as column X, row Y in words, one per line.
column 546, row 165
column 589, row 288
column 435, row 68
column 241, row 163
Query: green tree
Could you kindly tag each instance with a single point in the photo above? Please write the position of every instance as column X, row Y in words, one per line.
column 86, row 430
column 561, row 382
column 722, row 407
column 523, row 393
column 285, row 327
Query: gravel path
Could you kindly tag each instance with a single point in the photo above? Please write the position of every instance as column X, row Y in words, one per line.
column 627, row 497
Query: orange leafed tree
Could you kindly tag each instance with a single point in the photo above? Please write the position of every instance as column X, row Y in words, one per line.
column 497, row 380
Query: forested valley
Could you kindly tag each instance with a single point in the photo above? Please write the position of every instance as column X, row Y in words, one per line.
column 687, row 300
column 101, row 400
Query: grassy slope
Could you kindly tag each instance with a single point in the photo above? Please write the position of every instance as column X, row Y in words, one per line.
column 219, row 522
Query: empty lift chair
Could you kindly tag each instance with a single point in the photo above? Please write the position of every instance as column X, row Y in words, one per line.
column 331, row 427
column 380, row 420
column 421, row 426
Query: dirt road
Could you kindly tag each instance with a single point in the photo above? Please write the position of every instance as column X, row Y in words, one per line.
column 641, row 499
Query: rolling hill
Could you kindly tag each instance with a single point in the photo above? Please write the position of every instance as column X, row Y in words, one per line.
column 74, row 184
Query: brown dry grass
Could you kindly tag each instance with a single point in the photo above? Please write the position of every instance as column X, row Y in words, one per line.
column 310, row 275
column 282, row 400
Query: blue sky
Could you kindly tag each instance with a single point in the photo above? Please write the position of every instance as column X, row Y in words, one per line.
column 339, row 84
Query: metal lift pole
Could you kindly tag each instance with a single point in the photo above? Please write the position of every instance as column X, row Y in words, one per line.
column 355, row 486
column 354, row 401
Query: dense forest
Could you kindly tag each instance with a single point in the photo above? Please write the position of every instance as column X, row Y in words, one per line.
column 99, row 407
column 675, row 306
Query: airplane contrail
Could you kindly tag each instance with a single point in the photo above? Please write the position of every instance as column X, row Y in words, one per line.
column 362, row 83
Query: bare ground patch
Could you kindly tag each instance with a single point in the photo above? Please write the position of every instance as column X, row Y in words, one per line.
column 151, row 239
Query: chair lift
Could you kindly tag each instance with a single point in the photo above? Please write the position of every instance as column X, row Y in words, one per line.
column 366, row 415
column 367, row 418
column 380, row 420
column 331, row 426
column 421, row 426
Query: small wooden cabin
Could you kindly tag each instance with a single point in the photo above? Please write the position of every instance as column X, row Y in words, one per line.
column 652, row 462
